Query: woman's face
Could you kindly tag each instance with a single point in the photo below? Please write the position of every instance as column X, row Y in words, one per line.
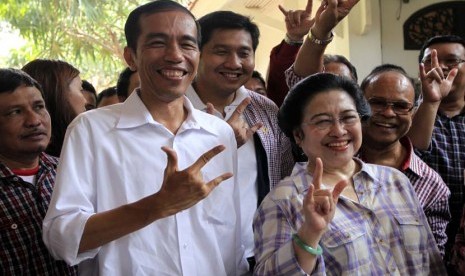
column 330, row 129
column 75, row 97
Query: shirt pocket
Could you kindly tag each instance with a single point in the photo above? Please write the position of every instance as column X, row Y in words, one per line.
column 412, row 232
column 347, row 245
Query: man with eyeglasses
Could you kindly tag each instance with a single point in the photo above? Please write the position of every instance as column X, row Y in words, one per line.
column 391, row 95
column 438, row 130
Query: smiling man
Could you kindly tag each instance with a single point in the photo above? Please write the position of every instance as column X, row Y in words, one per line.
column 125, row 204
column 227, row 61
column 391, row 95
column 27, row 176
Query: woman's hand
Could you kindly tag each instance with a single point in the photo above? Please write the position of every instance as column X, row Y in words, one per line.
column 319, row 206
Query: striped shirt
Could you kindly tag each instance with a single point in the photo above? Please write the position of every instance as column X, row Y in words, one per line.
column 386, row 233
column 22, row 208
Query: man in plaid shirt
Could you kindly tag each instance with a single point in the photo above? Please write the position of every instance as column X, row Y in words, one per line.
column 27, row 177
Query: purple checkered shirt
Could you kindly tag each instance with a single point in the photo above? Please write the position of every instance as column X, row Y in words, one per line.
column 22, row 208
column 385, row 234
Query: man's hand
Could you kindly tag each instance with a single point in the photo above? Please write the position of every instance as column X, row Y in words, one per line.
column 435, row 86
column 330, row 13
column 182, row 189
column 241, row 129
column 298, row 22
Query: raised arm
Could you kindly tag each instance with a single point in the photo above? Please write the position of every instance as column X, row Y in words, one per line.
column 310, row 57
column 179, row 191
column 435, row 86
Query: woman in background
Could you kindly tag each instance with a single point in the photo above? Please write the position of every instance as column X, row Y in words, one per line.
column 62, row 88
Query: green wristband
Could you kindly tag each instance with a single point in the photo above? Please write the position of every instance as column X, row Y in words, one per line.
column 318, row 251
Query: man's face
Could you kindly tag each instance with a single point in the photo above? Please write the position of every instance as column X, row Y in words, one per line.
column 448, row 52
column 167, row 55
column 24, row 124
column 386, row 127
column 227, row 61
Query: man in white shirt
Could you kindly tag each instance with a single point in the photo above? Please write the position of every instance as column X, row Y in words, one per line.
column 124, row 204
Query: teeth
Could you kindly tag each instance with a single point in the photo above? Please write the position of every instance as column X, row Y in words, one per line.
column 231, row 75
column 338, row 144
column 384, row 125
column 172, row 73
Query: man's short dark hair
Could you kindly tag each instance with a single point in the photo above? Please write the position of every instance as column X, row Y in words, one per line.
column 341, row 59
column 258, row 76
column 226, row 20
column 89, row 87
column 378, row 70
column 11, row 79
column 132, row 27
column 440, row 39
column 122, row 85
column 107, row 92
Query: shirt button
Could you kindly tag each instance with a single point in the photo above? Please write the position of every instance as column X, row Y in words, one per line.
column 184, row 246
column 14, row 226
column 15, row 178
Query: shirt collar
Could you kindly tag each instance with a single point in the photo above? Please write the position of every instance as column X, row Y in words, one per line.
column 241, row 94
column 46, row 162
column 134, row 113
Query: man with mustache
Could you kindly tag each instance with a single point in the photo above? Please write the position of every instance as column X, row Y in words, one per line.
column 27, row 177
column 391, row 95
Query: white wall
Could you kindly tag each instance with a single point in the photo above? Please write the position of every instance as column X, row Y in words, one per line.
column 392, row 32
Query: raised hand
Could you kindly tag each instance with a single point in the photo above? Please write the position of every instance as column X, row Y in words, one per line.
column 319, row 205
column 330, row 13
column 298, row 22
column 183, row 189
column 435, row 86
column 241, row 129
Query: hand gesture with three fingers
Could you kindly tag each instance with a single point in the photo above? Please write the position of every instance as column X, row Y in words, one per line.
column 435, row 86
column 298, row 22
column 319, row 205
column 241, row 129
column 183, row 189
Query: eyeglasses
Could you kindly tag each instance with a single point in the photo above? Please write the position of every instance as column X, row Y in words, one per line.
column 325, row 122
column 450, row 63
column 399, row 107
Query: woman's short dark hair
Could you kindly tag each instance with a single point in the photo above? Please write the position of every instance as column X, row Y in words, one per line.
column 55, row 77
column 291, row 113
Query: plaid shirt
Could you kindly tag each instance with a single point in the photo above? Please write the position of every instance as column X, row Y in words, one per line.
column 386, row 233
column 22, row 208
column 431, row 191
column 446, row 155
column 277, row 146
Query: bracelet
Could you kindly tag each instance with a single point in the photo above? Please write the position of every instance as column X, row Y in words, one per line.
column 315, row 40
column 318, row 251
column 289, row 41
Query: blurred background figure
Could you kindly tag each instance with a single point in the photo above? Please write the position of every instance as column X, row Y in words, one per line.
column 256, row 83
column 89, row 92
column 108, row 96
column 128, row 80
column 63, row 95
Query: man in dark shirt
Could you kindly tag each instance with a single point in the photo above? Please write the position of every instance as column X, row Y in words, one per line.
column 27, row 177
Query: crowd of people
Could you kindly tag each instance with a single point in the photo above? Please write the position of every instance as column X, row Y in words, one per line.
column 194, row 164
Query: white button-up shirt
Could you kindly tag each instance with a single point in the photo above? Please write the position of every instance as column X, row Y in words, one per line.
column 112, row 156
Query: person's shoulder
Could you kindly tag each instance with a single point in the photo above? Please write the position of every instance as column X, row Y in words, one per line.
column 381, row 172
column 261, row 100
column 49, row 160
column 98, row 116
column 294, row 185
